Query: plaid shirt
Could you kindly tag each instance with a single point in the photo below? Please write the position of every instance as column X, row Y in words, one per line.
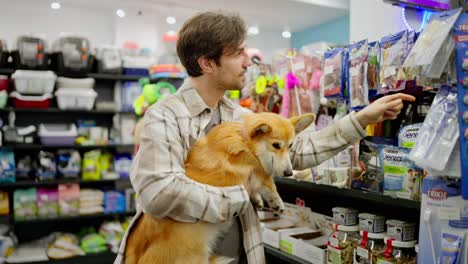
column 170, row 129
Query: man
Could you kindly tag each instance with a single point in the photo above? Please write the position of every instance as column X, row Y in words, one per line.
column 211, row 47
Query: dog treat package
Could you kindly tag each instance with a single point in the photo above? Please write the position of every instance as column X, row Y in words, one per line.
column 432, row 38
column 369, row 177
column 47, row 168
column 357, row 75
column 402, row 178
column 372, row 70
column 25, row 204
column 7, row 166
column 69, row 163
column 334, row 74
column 393, row 50
column 25, row 167
column 407, row 136
column 47, row 203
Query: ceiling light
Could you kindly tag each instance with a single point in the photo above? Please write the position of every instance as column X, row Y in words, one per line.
column 171, row 20
column 55, row 5
column 286, row 34
column 253, row 31
column 120, row 13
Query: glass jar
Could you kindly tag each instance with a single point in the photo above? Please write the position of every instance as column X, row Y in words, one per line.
column 397, row 252
column 369, row 247
column 342, row 243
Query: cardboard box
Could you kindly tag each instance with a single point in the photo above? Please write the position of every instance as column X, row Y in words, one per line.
column 273, row 237
column 309, row 245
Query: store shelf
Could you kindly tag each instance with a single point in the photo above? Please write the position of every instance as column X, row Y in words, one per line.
column 282, row 257
column 98, row 258
column 115, row 77
column 39, row 146
column 6, row 71
column 73, row 218
column 28, row 184
column 349, row 194
column 56, row 110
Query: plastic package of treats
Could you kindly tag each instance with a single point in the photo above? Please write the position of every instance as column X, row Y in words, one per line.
column 373, row 66
column 393, row 51
column 357, row 75
column 334, row 73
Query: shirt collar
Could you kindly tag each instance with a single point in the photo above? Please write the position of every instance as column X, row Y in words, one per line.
column 195, row 103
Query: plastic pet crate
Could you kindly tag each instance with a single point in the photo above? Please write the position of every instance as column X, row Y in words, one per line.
column 4, row 54
column 72, row 56
column 30, row 53
column 34, row 82
column 31, row 101
column 109, row 60
column 76, row 98
column 64, row 82
column 57, row 134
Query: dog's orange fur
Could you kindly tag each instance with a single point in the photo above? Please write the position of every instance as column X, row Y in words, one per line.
column 227, row 156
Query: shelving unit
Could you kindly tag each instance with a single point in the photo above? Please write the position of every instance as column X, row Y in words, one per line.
column 73, row 218
column 54, row 110
column 28, row 184
column 78, row 147
column 98, row 258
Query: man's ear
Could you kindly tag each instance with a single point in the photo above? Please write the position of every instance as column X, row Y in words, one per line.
column 302, row 122
column 205, row 64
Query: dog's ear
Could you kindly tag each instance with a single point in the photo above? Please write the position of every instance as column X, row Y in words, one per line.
column 260, row 129
column 302, row 122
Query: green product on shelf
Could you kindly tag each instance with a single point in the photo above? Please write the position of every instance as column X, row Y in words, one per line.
column 25, row 204
column 91, row 166
column 93, row 243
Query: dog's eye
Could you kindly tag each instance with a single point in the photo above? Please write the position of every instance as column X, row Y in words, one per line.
column 276, row 146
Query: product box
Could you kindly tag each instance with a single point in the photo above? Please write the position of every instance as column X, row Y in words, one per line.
column 444, row 213
column 307, row 243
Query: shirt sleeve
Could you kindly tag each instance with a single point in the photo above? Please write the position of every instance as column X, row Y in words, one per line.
column 163, row 189
column 310, row 148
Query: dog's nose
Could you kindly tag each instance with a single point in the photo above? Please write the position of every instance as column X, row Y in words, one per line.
column 287, row 173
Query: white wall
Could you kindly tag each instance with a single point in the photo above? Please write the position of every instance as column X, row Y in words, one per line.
column 102, row 26
column 97, row 25
column 373, row 19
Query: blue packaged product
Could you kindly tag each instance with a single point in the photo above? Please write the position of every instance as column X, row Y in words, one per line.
column 402, row 177
column 7, row 166
column 357, row 75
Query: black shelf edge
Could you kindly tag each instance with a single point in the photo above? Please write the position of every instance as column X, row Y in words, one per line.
column 6, row 71
column 284, row 256
column 349, row 193
column 57, row 110
column 116, row 77
column 27, row 184
column 39, row 146
column 73, row 218
column 97, row 258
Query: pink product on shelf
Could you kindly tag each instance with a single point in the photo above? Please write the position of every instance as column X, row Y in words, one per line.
column 69, row 199
column 47, row 202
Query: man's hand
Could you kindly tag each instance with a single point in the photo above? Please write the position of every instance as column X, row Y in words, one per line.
column 385, row 108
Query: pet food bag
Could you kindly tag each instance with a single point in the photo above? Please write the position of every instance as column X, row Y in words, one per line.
column 357, row 75
column 333, row 73
column 393, row 51
column 25, row 204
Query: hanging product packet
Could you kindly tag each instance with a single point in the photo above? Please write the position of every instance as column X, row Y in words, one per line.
column 392, row 55
column 432, row 38
column 333, row 73
column 409, row 74
column 372, row 70
column 439, row 132
column 357, row 75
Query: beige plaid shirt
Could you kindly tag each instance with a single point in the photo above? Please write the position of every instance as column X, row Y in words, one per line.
column 171, row 127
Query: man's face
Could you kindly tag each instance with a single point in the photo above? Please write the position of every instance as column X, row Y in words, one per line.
column 230, row 74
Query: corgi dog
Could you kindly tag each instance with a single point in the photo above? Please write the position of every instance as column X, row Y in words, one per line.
column 232, row 153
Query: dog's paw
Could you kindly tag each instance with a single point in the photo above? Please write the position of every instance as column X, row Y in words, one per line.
column 257, row 201
column 276, row 205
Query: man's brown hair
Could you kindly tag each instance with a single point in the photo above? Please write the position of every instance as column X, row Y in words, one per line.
column 210, row 35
